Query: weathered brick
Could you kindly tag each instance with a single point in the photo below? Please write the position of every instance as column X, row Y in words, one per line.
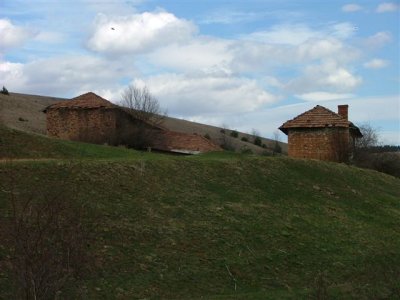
column 321, row 134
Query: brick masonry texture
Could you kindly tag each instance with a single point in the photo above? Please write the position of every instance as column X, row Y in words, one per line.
column 321, row 134
column 330, row 144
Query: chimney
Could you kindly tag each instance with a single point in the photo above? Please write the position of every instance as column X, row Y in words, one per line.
column 343, row 110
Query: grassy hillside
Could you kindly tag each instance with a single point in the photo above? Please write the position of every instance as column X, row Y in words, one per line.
column 17, row 144
column 220, row 226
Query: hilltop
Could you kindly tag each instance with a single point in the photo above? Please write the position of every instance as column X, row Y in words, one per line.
column 25, row 112
column 215, row 226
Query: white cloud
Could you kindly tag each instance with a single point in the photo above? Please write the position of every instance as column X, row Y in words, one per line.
column 201, row 54
column 379, row 39
column 13, row 36
column 376, row 63
column 63, row 76
column 11, row 75
column 387, row 7
column 342, row 30
column 351, row 7
column 138, row 33
column 326, row 48
column 230, row 17
column 192, row 96
column 296, row 34
column 323, row 96
column 285, row 34
column 329, row 76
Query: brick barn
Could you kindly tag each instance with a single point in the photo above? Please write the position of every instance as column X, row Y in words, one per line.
column 93, row 119
column 320, row 133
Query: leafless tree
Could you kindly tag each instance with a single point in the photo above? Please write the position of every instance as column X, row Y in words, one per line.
column 225, row 140
column 369, row 139
column 366, row 155
column 256, row 137
column 148, row 116
column 143, row 105
column 277, row 147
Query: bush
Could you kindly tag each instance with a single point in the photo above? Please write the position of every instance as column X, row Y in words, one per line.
column 4, row 91
column 277, row 147
column 246, row 150
column 234, row 133
column 257, row 141
column 388, row 162
column 244, row 139
column 207, row 136
column 222, row 131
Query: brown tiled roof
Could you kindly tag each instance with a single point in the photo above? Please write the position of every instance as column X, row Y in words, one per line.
column 88, row 100
column 316, row 117
column 183, row 143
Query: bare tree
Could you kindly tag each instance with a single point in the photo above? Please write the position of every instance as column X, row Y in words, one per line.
column 367, row 156
column 225, row 140
column 143, row 105
column 256, row 137
column 369, row 139
column 277, row 147
column 148, row 115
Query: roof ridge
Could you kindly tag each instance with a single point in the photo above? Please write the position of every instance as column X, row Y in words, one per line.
column 316, row 117
column 86, row 100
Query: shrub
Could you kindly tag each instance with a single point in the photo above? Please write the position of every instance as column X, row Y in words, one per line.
column 4, row 91
column 234, row 133
column 388, row 162
column 257, row 141
column 277, row 147
column 246, row 150
column 207, row 136
column 244, row 139
column 222, row 131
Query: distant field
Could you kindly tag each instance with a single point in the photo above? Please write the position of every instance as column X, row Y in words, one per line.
column 214, row 226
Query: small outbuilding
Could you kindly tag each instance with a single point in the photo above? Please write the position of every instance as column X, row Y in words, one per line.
column 93, row 119
column 320, row 133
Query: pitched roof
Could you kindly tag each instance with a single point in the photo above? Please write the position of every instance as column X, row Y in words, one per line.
column 88, row 100
column 183, row 143
column 316, row 117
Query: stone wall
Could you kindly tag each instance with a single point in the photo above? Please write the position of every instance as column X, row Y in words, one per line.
column 330, row 144
column 87, row 125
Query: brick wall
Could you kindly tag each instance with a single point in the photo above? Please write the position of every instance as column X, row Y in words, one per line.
column 87, row 125
column 330, row 144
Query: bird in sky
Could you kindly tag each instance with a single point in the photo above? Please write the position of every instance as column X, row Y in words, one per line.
column 112, row 28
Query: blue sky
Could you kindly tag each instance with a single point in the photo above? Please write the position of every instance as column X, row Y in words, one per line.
column 246, row 64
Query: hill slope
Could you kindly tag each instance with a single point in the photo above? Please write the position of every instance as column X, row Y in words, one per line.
column 25, row 112
column 223, row 226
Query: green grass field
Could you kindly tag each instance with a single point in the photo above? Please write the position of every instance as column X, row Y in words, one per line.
column 216, row 226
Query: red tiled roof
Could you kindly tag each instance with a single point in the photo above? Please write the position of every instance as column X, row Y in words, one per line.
column 183, row 142
column 88, row 100
column 316, row 117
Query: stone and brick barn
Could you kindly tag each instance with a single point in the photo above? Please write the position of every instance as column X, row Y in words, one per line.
column 93, row 119
column 320, row 133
